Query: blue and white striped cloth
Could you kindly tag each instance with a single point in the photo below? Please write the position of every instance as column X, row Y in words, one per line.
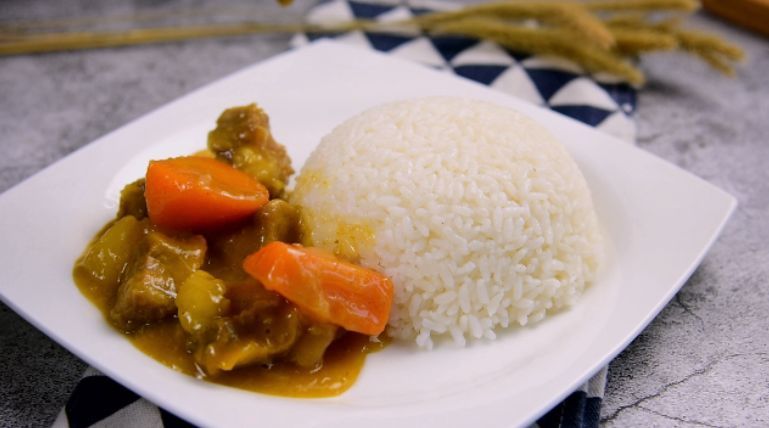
column 599, row 101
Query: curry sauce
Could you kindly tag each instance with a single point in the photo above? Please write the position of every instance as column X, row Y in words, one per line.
column 168, row 272
column 166, row 342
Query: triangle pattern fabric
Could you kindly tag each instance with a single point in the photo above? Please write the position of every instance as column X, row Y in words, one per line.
column 172, row 421
column 140, row 413
column 540, row 79
column 483, row 73
column 516, row 82
column 369, row 10
column 519, row 56
column 386, row 41
column 451, row 46
column 397, row 13
column 329, row 12
column 354, row 38
column 548, row 81
column 581, row 89
column 483, row 53
column 299, row 39
column 584, row 113
column 420, row 50
column 400, row 13
column 623, row 94
column 96, row 398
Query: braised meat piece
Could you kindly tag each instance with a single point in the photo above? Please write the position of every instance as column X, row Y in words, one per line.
column 132, row 200
column 242, row 137
column 148, row 292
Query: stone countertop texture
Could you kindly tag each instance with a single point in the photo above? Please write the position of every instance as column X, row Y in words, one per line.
column 704, row 361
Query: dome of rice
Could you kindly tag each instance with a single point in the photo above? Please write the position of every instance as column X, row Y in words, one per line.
column 478, row 215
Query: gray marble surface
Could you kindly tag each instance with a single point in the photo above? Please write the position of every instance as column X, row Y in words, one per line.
column 704, row 361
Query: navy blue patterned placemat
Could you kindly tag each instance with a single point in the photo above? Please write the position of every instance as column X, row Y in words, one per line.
column 600, row 101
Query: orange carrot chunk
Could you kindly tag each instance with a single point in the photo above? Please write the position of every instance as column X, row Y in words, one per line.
column 324, row 287
column 196, row 193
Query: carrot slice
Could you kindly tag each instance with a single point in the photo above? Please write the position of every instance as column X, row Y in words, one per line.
column 196, row 193
column 324, row 287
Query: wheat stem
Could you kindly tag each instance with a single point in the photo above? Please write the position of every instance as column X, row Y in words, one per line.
column 52, row 42
column 599, row 35
column 638, row 41
column 642, row 5
column 569, row 15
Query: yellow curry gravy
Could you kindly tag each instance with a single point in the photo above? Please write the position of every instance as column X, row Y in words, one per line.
column 166, row 342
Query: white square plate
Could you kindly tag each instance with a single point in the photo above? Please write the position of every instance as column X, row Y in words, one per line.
column 659, row 220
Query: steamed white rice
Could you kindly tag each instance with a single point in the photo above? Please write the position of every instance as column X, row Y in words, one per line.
column 481, row 219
